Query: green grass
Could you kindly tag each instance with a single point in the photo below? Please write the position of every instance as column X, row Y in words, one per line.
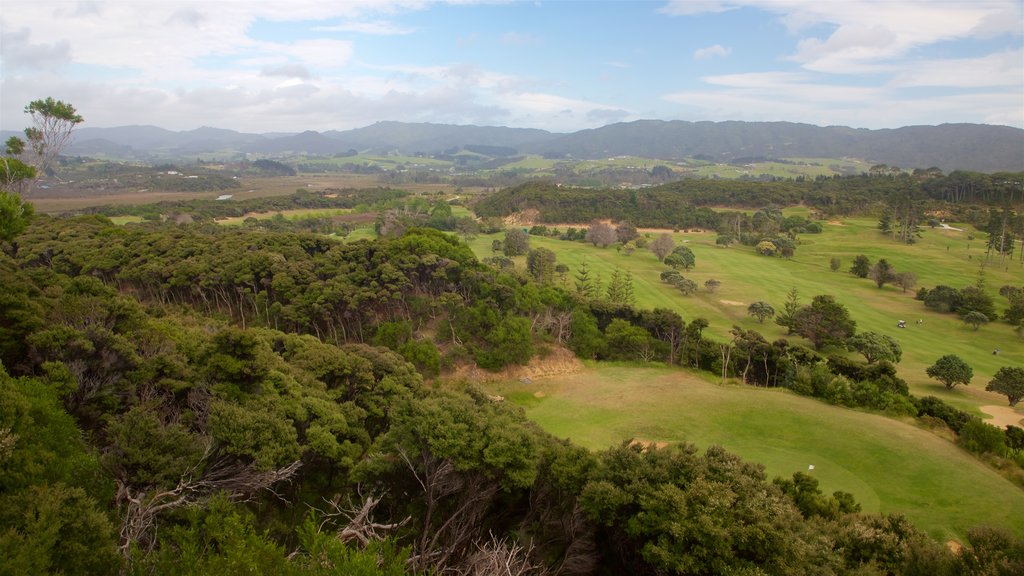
column 296, row 214
column 746, row 277
column 888, row 465
column 122, row 220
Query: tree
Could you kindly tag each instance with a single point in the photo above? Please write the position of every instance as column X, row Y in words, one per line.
column 874, row 347
column 585, row 285
column 951, row 370
column 1009, row 381
column 824, row 322
column 681, row 257
column 686, row 286
column 760, row 310
column 766, row 248
column 975, row 318
column 906, row 280
column 15, row 215
column 712, row 285
column 834, row 263
column 975, row 298
column 52, row 124
column 15, row 175
column 516, row 242
column 882, row 273
column 540, row 263
column 662, row 246
column 861, row 266
column 601, row 234
column 620, row 288
column 789, row 310
column 626, row 231
column 943, row 299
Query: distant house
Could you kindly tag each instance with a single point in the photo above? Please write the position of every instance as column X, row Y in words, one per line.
column 225, row 197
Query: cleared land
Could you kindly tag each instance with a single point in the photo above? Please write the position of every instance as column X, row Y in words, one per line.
column 940, row 257
column 888, row 465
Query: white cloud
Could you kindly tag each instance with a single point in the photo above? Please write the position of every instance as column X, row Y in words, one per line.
column 999, row 69
column 785, row 96
column 20, row 52
column 286, row 71
column 711, row 52
column 869, row 35
column 374, row 28
column 320, row 53
column 690, row 7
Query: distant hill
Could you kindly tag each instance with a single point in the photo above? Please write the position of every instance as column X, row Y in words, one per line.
column 434, row 138
column 975, row 147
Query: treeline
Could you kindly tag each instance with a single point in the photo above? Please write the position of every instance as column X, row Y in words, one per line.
column 210, row 209
column 684, row 204
column 160, row 414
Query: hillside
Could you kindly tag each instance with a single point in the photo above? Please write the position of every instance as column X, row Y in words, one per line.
column 974, row 147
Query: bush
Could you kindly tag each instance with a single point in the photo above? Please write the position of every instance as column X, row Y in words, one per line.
column 980, row 438
column 936, row 408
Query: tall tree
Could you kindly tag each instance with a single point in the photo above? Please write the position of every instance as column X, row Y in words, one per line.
column 586, row 286
column 882, row 272
column 52, row 124
column 516, row 242
column 540, row 263
column 787, row 317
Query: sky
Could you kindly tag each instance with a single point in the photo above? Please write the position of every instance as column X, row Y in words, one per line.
column 292, row 65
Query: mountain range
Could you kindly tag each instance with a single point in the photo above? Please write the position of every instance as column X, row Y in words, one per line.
column 976, row 147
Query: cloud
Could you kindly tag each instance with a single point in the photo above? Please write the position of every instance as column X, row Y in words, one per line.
column 19, row 52
column 286, row 71
column 871, row 35
column 711, row 52
column 785, row 96
column 373, row 28
column 319, row 53
column 999, row 69
column 690, row 7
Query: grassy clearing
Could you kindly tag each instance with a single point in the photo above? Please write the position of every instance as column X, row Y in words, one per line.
column 296, row 214
column 889, row 466
column 747, row 277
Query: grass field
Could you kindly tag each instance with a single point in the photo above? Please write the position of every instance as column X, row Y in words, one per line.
column 297, row 214
column 746, row 277
column 888, row 465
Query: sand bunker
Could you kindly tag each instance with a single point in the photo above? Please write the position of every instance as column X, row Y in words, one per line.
column 731, row 303
column 646, row 445
column 1002, row 416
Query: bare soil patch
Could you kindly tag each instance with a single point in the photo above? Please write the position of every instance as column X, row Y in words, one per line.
column 1002, row 416
column 731, row 303
column 560, row 361
column 646, row 445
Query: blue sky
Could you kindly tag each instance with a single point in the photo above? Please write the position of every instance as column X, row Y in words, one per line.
column 261, row 66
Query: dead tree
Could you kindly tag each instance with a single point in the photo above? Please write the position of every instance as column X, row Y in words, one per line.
column 139, row 507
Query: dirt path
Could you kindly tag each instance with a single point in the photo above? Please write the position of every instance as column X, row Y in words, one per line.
column 1002, row 416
